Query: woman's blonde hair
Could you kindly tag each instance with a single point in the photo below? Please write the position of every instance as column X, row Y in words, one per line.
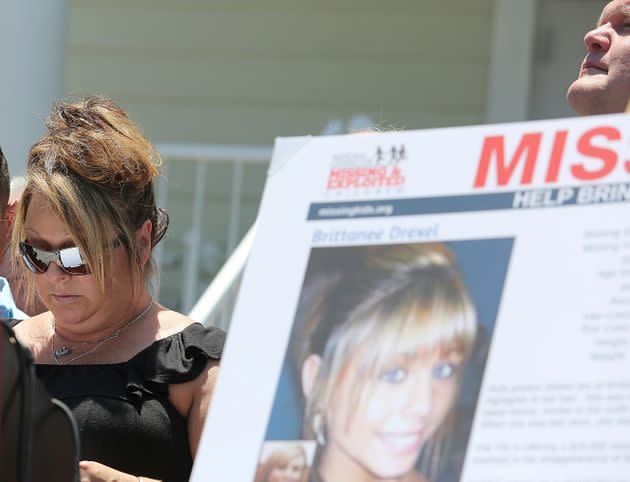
column 94, row 167
column 382, row 297
column 280, row 458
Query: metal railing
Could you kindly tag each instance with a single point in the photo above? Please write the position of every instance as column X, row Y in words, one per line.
column 217, row 302
column 215, row 305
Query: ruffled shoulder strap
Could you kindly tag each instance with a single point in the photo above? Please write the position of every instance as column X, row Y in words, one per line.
column 178, row 358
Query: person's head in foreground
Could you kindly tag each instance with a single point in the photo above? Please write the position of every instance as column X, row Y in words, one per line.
column 285, row 464
column 87, row 221
column 603, row 83
column 381, row 373
column 8, row 308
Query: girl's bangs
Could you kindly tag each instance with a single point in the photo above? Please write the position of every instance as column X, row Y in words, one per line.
column 423, row 328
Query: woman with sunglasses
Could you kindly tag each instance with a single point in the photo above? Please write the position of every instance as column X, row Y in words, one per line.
column 137, row 376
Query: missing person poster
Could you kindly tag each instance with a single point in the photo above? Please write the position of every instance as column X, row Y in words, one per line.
column 436, row 306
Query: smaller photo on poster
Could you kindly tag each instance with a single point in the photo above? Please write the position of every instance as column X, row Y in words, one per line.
column 285, row 461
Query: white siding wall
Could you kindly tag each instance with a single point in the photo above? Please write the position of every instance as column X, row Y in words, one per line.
column 246, row 71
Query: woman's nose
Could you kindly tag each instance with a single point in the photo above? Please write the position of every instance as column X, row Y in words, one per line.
column 419, row 397
column 54, row 272
column 598, row 39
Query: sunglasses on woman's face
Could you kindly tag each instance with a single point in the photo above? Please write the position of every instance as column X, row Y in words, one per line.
column 37, row 260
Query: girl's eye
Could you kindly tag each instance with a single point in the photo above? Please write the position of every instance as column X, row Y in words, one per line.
column 443, row 370
column 395, row 375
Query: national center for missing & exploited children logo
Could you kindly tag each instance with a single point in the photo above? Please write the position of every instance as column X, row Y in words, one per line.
column 380, row 170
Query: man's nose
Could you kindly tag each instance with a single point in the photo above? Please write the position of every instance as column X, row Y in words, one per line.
column 598, row 39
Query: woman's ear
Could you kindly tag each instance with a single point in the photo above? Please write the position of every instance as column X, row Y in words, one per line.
column 310, row 368
column 143, row 237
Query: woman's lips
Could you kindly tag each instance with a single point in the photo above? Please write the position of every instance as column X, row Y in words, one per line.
column 403, row 442
column 64, row 298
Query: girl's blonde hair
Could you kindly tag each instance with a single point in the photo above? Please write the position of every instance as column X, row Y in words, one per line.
column 94, row 167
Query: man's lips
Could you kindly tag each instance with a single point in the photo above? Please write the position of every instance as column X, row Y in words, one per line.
column 589, row 67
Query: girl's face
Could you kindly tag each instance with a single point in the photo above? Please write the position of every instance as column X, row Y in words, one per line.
column 291, row 472
column 295, row 469
column 405, row 402
column 277, row 474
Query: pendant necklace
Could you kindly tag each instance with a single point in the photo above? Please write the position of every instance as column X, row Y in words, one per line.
column 66, row 350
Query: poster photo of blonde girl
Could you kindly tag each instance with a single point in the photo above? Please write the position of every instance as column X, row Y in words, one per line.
column 387, row 355
column 285, row 461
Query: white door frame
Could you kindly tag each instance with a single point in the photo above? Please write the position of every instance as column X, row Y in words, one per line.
column 511, row 60
column 32, row 54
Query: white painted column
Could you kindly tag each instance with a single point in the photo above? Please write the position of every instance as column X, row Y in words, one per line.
column 32, row 53
column 511, row 60
column 235, row 207
column 161, row 187
column 190, row 284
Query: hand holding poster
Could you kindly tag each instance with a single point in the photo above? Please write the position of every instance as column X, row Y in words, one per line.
column 441, row 305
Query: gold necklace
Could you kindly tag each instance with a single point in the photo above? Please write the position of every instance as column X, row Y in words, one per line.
column 66, row 350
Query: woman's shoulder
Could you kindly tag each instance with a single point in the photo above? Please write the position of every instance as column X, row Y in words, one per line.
column 171, row 323
column 179, row 331
column 182, row 351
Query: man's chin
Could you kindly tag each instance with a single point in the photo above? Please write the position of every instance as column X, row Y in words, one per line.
column 584, row 96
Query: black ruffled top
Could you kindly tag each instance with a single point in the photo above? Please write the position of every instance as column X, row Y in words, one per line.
column 122, row 410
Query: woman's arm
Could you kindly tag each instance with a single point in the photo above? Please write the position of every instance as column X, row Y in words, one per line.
column 202, row 388
column 191, row 399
